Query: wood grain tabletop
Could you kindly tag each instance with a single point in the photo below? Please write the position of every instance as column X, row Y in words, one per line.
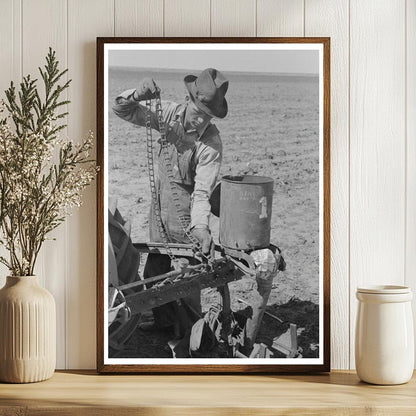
column 87, row 393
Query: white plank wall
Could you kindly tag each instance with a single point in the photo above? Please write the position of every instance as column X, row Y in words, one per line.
column 330, row 18
column 37, row 36
column 85, row 20
column 185, row 18
column 10, row 43
column 373, row 129
column 280, row 18
column 233, row 18
column 377, row 146
column 410, row 260
column 10, row 62
column 138, row 18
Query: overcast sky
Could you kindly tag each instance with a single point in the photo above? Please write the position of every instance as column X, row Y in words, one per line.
column 272, row 61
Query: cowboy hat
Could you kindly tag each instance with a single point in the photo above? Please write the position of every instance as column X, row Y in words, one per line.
column 207, row 91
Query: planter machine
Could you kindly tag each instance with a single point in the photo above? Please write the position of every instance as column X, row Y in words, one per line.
column 243, row 230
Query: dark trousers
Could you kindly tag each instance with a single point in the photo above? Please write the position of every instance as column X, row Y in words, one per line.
column 182, row 314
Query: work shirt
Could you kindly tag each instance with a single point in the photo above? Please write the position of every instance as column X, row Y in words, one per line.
column 195, row 157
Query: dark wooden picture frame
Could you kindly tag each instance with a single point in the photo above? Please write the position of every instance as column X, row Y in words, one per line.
column 106, row 365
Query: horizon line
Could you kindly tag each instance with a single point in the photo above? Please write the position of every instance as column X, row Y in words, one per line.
column 305, row 74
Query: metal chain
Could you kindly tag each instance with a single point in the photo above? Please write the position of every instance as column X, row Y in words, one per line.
column 152, row 180
column 169, row 170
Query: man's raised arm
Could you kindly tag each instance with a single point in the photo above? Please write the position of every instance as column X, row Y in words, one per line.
column 128, row 104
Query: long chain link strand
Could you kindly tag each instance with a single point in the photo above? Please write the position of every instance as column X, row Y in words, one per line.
column 152, row 180
column 169, row 171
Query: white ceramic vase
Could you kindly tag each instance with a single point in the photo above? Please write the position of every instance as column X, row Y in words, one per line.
column 27, row 331
column 384, row 342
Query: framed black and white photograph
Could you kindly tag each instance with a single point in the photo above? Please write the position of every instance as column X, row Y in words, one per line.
column 213, row 205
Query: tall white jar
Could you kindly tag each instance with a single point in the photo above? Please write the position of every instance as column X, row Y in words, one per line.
column 384, row 338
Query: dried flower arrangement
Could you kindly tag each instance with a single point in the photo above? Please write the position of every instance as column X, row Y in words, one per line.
column 42, row 176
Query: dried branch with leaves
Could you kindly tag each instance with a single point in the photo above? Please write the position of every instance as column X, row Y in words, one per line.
column 42, row 176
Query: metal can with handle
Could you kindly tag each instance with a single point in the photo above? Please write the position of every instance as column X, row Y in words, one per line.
column 384, row 341
column 245, row 212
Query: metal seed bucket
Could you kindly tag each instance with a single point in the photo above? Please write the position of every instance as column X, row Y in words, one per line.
column 245, row 212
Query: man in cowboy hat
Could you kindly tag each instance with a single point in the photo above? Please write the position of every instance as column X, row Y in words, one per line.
column 195, row 154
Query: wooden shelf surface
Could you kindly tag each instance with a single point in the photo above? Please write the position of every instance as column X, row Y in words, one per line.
column 86, row 393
